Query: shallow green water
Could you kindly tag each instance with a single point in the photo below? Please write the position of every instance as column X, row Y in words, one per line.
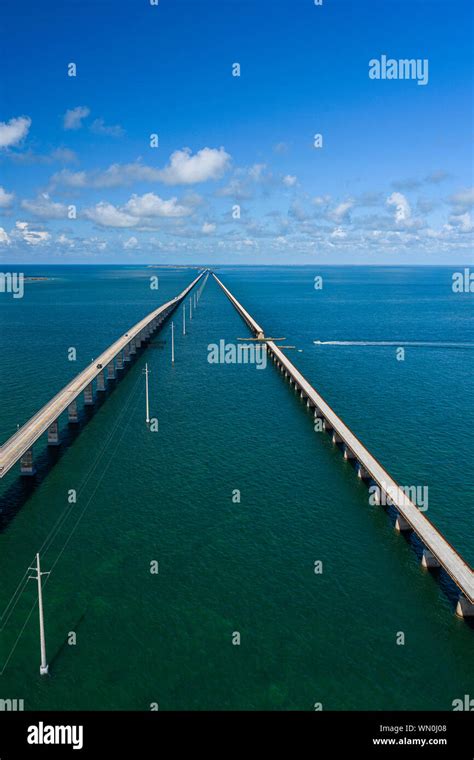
column 248, row 567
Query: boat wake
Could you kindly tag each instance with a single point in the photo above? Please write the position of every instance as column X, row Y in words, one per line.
column 416, row 343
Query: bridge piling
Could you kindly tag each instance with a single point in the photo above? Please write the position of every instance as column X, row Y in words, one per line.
column 429, row 560
column 27, row 466
column 401, row 525
column 89, row 395
column 72, row 414
column 101, row 381
column 464, row 607
column 53, row 434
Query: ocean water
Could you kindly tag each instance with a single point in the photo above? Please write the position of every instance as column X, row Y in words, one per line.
column 169, row 496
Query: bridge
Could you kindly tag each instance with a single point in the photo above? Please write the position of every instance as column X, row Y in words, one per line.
column 437, row 550
column 105, row 367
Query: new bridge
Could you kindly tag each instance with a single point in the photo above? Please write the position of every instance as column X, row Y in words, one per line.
column 437, row 550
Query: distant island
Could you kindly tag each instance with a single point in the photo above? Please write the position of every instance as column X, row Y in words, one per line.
column 35, row 279
column 174, row 266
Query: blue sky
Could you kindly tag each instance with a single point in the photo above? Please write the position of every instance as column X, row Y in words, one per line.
column 236, row 177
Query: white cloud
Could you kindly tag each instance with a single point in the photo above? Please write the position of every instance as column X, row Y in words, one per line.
column 321, row 200
column 13, row 131
column 44, row 208
column 99, row 127
column 402, row 207
column 6, row 199
column 74, row 117
column 138, row 209
column 462, row 221
column 107, row 215
column 31, row 237
column 64, row 240
column 289, row 181
column 186, row 169
column 4, row 237
column 149, row 205
column 132, row 242
column 257, row 171
column 338, row 233
column 208, row 227
column 183, row 169
column 342, row 210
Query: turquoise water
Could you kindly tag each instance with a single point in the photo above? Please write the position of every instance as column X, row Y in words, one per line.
column 224, row 566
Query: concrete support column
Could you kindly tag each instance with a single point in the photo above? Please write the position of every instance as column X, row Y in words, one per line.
column 27, row 466
column 464, row 607
column 401, row 524
column 119, row 359
column 132, row 349
column 309, row 403
column 138, row 340
column 53, row 434
column 327, row 426
column 428, row 559
column 302, row 394
column 126, row 352
column 348, row 454
column 336, row 438
column 101, row 381
column 111, row 370
column 88, row 395
column 72, row 412
column 362, row 472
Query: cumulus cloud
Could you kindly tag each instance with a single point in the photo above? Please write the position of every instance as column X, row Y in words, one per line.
column 186, row 169
column 402, row 207
column 31, row 237
column 183, row 169
column 4, row 237
column 462, row 221
column 65, row 241
column 289, row 180
column 44, row 208
column 149, row 205
column 107, row 215
column 341, row 211
column 132, row 242
column 208, row 227
column 74, row 117
column 6, row 199
column 139, row 209
column 12, row 132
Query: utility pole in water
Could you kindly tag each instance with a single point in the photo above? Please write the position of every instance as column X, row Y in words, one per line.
column 44, row 665
column 147, row 398
column 190, row 308
column 172, row 343
column 184, row 319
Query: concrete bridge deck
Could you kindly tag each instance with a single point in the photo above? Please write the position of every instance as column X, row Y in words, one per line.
column 439, row 550
column 22, row 441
